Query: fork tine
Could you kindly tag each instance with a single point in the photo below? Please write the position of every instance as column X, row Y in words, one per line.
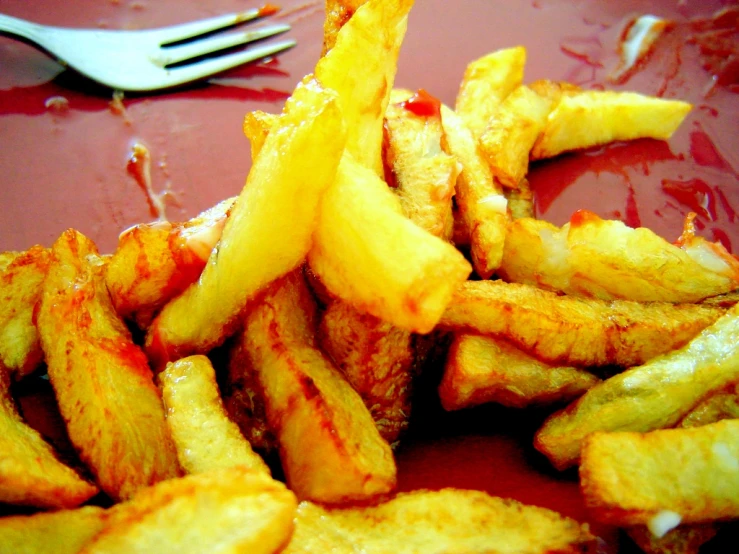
column 188, row 51
column 186, row 31
column 207, row 68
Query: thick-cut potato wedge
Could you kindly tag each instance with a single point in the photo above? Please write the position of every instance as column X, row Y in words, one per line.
column 482, row 369
column 370, row 255
column 376, row 359
column 104, row 387
column 590, row 256
column 423, row 174
column 20, row 291
column 268, row 232
column 486, row 83
column 685, row 539
column 595, row 117
column 631, row 478
column 449, row 520
column 568, row 330
column 373, row 35
column 30, row 473
column 330, row 448
column 60, row 532
column 480, row 200
column 155, row 262
column 338, row 12
column 652, row 396
column 720, row 405
column 204, row 436
column 219, row 512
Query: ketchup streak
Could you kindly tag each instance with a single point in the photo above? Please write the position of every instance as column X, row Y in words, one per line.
column 423, row 104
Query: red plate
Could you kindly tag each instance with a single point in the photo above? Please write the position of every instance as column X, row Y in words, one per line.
column 68, row 168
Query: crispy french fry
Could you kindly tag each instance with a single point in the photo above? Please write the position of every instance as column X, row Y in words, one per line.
column 723, row 404
column 480, row 200
column 575, row 331
column 590, row 256
column 486, row 83
column 520, row 201
column 449, row 520
column 155, row 262
column 268, row 232
column 204, row 436
column 635, row 478
column 256, row 128
column 330, row 448
column 224, row 511
column 60, row 532
column 20, row 290
column 104, row 387
column 7, row 257
column 30, row 473
column 652, row 396
column 595, row 117
column 482, row 369
column 685, row 539
column 338, row 12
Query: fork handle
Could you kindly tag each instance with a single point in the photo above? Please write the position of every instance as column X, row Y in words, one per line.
column 20, row 28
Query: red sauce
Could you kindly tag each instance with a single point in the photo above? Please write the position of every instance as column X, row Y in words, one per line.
column 423, row 104
column 268, row 9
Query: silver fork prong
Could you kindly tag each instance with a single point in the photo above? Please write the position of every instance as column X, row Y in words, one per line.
column 186, row 31
column 210, row 67
column 176, row 54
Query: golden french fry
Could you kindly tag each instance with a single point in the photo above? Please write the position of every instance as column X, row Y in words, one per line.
column 20, row 290
column 480, row 200
column 692, row 475
column 595, row 117
column 268, row 232
column 685, row 539
column 482, row 369
column 590, row 256
column 223, row 511
column 652, row 396
column 338, row 12
column 103, row 384
column 60, row 532
column 256, row 128
column 723, row 404
column 486, row 83
column 7, row 257
column 568, row 330
column 203, row 435
column 423, row 174
column 449, row 520
column 330, row 448
column 30, row 473
column 520, row 202
column 155, row 262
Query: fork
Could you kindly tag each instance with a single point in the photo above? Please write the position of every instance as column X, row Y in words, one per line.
column 152, row 59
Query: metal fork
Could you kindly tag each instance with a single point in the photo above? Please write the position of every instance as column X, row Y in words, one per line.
column 143, row 60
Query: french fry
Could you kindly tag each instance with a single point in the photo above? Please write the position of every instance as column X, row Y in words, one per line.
column 720, row 405
column 634, row 478
column 268, row 232
column 224, row 511
column 575, row 331
column 103, row 384
column 652, row 396
column 256, row 128
column 487, row 81
column 484, row 369
column 7, row 257
column 203, row 435
column 60, row 532
column 330, row 448
column 595, row 117
column 338, row 12
column 20, row 290
column 590, row 256
column 155, row 262
column 480, row 200
column 520, row 201
column 30, row 473
column 449, row 520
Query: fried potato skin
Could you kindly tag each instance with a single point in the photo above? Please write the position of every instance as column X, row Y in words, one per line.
column 574, row 331
column 449, row 520
column 204, row 436
column 652, row 396
column 330, row 448
column 482, row 369
column 268, row 232
column 103, row 384
column 30, row 473
column 20, row 290
column 226, row 511
column 629, row 478
column 60, row 532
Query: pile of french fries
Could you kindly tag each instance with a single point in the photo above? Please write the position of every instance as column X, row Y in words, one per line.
column 327, row 283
